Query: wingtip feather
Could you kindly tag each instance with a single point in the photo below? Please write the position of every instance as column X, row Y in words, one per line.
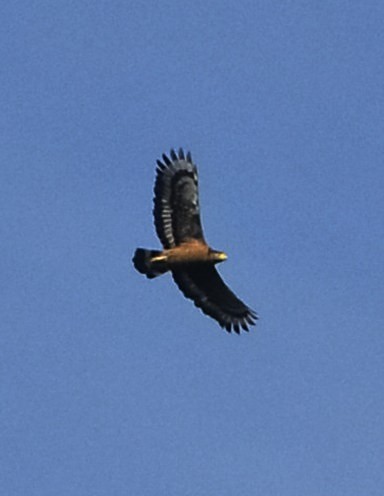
column 173, row 154
column 166, row 160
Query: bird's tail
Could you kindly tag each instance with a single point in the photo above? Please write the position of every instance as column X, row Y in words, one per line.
column 144, row 262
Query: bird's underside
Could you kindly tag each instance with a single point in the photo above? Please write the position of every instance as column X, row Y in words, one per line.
column 186, row 254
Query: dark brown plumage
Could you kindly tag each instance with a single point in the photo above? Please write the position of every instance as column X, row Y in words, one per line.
column 186, row 253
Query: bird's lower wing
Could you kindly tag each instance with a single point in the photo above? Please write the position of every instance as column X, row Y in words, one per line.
column 203, row 285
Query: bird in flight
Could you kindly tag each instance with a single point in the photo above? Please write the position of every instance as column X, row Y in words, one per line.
column 186, row 254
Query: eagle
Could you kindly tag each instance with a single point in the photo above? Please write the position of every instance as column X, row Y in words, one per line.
column 186, row 254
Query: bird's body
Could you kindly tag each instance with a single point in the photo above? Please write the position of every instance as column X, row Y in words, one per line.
column 186, row 253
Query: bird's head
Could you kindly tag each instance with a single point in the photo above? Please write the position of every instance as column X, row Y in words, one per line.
column 217, row 256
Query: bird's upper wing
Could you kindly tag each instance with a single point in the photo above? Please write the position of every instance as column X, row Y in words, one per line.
column 176, row 202
column 203, row 285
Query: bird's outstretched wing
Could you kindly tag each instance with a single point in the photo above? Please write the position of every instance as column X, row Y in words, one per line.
column 203, row 285
column 176, row 203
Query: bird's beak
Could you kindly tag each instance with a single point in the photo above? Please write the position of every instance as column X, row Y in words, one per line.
column 222, row 256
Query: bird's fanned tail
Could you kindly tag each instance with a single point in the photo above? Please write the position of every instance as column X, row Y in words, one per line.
column 142, row 260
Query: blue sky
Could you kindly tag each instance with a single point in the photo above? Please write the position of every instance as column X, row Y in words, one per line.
column 112, row 384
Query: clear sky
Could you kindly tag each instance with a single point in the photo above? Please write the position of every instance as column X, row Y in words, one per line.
column 114, row 385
